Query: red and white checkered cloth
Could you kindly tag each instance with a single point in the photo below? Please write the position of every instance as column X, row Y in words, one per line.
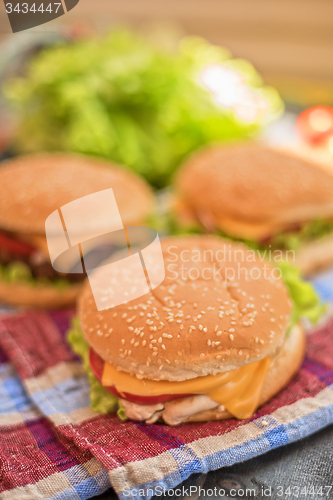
column 52, row 445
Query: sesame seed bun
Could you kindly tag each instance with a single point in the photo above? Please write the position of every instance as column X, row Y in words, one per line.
column 284, row 366
column 251, row 190
column 219, row 307
column 33, row 186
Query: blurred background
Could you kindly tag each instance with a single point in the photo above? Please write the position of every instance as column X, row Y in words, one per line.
column 278, row 53
column 290, row 41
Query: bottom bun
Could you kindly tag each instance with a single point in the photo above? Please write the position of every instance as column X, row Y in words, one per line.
column 284, row 366
column 40, row 296
column 315, row 256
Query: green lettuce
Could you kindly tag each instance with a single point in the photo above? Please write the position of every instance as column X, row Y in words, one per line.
column 19, row 272
column 101, row 400
column 306, row 303
column 126, row 99
column 312, row 230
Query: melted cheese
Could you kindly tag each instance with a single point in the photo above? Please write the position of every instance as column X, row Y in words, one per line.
column 249, row 230
column 237, row 390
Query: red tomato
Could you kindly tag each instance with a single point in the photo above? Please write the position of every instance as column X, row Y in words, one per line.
column 15, row 246
column 315, row 124
column 97, row 365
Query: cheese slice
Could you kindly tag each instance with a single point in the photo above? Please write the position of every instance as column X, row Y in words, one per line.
column 249, row 230
column 237, row 390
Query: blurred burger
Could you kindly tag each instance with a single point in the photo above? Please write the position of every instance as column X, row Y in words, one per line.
column 270, row 198
column 217, row 339
column 32, row 187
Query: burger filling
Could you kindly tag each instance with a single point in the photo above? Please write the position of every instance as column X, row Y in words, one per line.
column 285, row 237
column 238, row 391
column 25, row 259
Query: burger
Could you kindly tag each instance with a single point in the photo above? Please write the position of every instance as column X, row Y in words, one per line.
column 216, row 339
column 32, row 187
column 268, row 197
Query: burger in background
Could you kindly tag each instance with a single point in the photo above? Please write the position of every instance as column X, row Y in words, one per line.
column 32, row 187
column 270, row 198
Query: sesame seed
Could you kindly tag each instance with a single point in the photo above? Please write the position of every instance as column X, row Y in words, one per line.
column 262, row 342
column 202, row 355
column 272, row 320
column 231, row 336
column 205, row 330
column 231, row 329
column 123, row 341
column 240, row 352
column 144, row 342
column 200, row 327
column 209, row 342
column 219, row 333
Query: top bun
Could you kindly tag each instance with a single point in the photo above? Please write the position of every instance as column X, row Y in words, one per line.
column 254, row 183
column 33, row 186
column 219, row 307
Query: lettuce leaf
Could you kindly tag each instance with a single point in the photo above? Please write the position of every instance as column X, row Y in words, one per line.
column 19, row 272
column 312, row 230
column 101, row 400
column 306, row 303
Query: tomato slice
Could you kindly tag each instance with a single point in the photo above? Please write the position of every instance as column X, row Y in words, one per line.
column 315, row 124
column 97, row 365
column 15, row 246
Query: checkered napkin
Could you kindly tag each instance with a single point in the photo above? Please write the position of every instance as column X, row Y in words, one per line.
column 52, row 445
